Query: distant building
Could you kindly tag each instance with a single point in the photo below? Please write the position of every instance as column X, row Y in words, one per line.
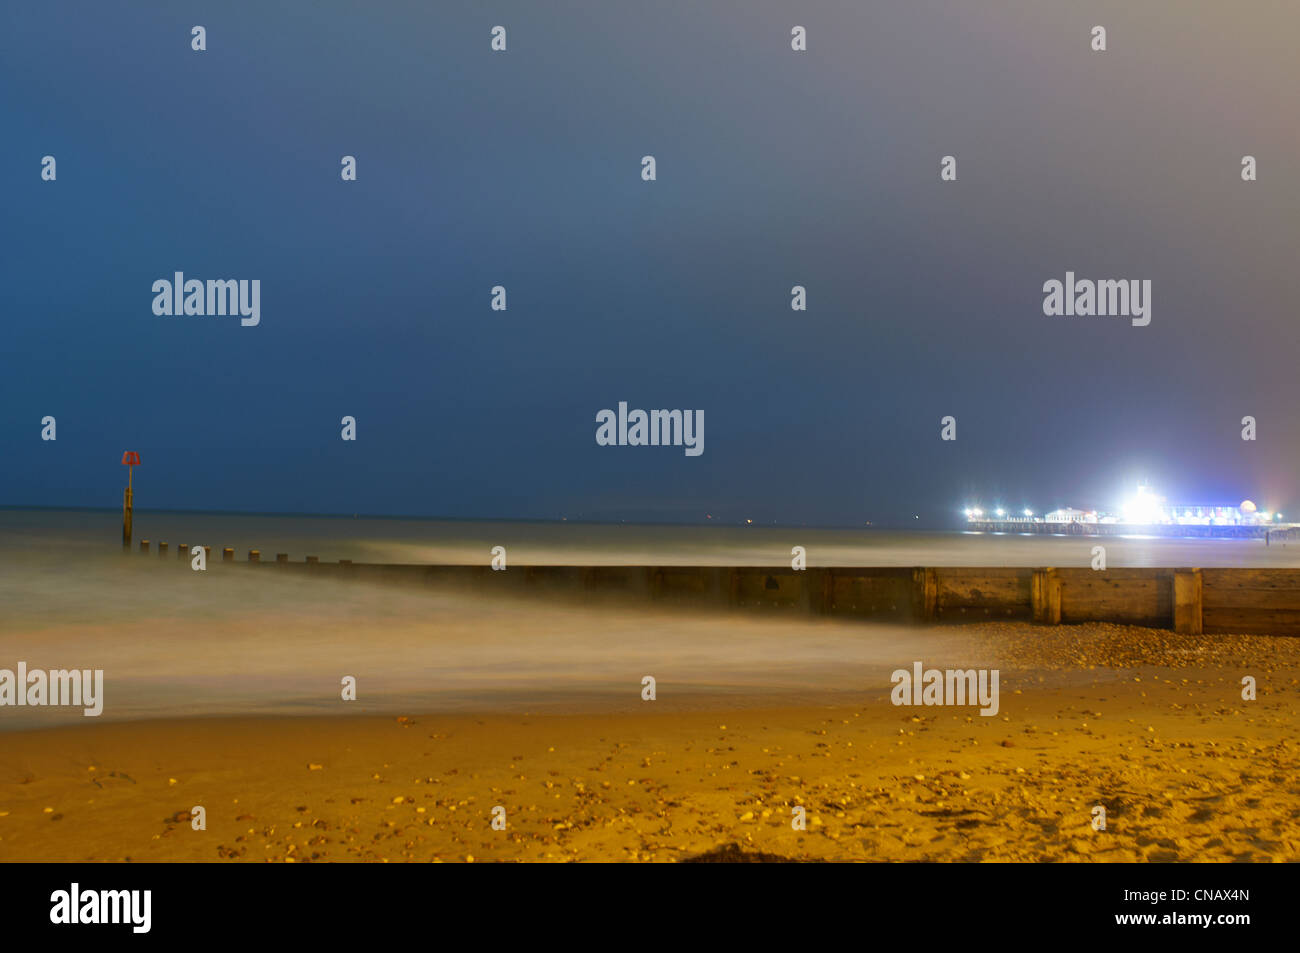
column 1216, row 514
column 1067, row 514
column 1148, row 509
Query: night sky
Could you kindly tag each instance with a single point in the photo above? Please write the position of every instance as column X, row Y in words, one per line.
column 523, row 169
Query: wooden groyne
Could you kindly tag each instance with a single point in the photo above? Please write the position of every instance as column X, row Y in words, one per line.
column 1245, row 601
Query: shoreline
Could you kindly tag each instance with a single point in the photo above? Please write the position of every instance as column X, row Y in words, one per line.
column 1186, row 770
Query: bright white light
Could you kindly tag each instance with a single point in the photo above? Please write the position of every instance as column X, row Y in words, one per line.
column 1143, row 508
column 1029, row 512
column 977, row 511
column 1001, row 512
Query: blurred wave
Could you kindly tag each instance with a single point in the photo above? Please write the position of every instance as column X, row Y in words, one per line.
column 173, row 642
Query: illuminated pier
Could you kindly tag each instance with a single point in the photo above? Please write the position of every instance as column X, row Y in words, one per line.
column 1145, row 514
column 1274, row 531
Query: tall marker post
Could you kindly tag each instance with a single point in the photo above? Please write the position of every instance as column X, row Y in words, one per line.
column 130, row 460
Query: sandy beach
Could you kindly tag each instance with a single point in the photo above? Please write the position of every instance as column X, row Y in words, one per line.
column 1150, row 725
column 222, row 690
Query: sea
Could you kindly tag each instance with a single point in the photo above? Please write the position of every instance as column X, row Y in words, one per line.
column 177, row 643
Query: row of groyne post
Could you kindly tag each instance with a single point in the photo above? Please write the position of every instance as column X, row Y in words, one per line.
column 1191, row 600
column 184, row 552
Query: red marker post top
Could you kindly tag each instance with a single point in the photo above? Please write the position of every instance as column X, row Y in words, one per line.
column 130, row 459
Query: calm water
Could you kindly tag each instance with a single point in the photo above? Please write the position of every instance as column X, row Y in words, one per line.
column 433, row 541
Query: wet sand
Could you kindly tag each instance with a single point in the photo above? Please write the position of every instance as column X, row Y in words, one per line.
column 1148, row 724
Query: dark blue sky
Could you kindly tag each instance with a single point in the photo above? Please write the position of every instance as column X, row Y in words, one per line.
column 523, row 169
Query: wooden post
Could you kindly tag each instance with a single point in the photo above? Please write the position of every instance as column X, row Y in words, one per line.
column 815, row 590
column 925, row 594
column 144, row 545
column 227, row 555
column 162, row 548
column 254, row 555
column 809, row 591
column 182, row 550
column 1187, row 601
column 313, row 561
column 281, row 558
column 1045, row 596
column 130, row 460
column 126, row 515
